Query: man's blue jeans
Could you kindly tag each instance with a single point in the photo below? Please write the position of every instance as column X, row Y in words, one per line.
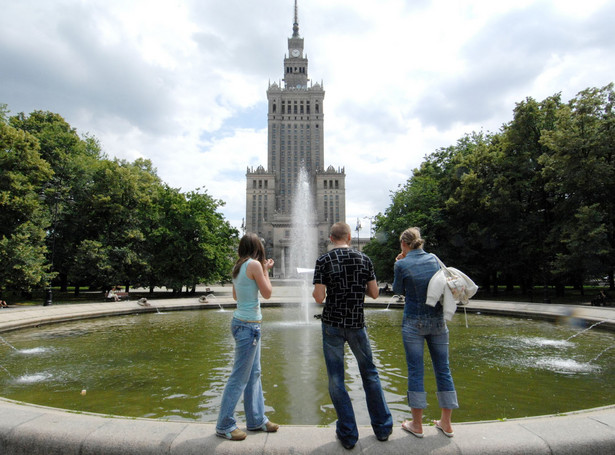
column 333, row 339
column 415, row 332
column 245, row 379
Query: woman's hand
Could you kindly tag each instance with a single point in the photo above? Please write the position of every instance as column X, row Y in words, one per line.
column 268, row 265
column 400, row 256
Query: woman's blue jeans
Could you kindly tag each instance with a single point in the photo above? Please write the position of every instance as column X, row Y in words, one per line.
column 415, row 332
column 245, row 379
column 333, row 339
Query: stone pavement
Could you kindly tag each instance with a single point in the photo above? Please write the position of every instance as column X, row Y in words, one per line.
column 32, row 430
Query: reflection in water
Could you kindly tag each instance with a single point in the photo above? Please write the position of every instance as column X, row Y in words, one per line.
column 301, row 369
column 176, row 367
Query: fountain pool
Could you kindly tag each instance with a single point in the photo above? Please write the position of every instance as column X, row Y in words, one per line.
column 175, row 365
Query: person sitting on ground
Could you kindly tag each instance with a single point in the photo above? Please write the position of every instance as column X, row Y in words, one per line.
column 3, row 304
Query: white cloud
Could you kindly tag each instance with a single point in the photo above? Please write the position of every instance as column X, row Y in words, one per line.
column 183, row 82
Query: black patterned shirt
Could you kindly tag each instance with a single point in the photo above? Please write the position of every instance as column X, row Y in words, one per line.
column 345, row 272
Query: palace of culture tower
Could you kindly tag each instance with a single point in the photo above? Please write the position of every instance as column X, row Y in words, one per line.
column 295, row 120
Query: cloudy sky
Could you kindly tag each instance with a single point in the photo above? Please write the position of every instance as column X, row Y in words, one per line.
column 183, row 82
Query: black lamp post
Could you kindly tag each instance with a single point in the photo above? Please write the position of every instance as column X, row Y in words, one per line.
column 48, row 296
column 49, row 293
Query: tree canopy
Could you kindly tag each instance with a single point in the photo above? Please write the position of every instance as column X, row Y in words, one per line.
column 71, row 216
column 530, row 205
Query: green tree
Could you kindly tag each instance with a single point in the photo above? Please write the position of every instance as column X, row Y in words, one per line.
column 580, row 169
column 417, row 203
column 500, row 203
column 72, row 160
column 188, row 240
column 110, row 216
column 22, row 216
column 104, row 222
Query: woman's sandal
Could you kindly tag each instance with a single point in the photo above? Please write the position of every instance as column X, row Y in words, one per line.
column 446, row 433
column 406, row 426
column 235, row 435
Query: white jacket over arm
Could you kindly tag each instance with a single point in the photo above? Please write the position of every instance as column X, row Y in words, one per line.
column 438, row 291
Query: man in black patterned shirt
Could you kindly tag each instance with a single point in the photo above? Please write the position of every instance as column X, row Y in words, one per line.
column 342, row 277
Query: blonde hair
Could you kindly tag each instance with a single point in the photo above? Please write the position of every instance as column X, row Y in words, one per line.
column 412, row 238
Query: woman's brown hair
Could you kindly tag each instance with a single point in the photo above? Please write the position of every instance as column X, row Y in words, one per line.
column 250, row 247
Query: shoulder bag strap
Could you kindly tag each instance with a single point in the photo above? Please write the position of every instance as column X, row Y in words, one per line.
column 446, row 270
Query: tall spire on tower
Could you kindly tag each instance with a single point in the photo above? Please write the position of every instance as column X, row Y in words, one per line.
column 296, row 23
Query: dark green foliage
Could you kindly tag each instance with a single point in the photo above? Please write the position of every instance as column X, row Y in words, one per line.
column 531, row 205
column 70, row 214
column 23, row 265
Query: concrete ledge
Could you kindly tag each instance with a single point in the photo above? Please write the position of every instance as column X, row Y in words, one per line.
column 33, row 430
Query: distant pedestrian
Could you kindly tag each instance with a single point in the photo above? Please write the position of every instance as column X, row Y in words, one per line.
column 342, row 277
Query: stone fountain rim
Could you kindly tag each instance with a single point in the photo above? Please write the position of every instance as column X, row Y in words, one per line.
column 36, row 429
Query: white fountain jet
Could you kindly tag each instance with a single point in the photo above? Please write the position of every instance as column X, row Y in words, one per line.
column 303, row 248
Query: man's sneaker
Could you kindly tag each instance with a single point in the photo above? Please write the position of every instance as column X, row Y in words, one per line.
column 268, row 427
column 235, row 435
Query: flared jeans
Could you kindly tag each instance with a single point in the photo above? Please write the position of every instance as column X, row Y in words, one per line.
column 334, row 339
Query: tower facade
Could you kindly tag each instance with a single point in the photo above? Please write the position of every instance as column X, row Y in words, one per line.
column 295, row 120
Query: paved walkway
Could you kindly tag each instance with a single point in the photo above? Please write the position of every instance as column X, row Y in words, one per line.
column 32, row 430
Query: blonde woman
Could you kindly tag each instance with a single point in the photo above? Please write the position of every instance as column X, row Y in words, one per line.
column 422, row 324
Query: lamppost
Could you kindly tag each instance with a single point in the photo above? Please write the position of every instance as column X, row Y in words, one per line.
column 371, row 219
column 358, row 234
column 49, row 293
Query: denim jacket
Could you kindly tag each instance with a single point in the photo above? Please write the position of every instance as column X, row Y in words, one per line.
column 412, row 275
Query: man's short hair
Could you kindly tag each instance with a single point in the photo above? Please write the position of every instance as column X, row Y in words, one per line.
column 340, row 231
